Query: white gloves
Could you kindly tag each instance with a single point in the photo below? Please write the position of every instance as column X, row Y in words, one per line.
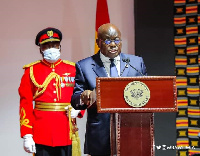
column 74, row 112
column 29, row 144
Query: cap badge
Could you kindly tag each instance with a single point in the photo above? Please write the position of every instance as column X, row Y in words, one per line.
column 50, row 33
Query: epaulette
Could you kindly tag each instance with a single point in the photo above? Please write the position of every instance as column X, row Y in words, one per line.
column 31, row 64
column 69, row 62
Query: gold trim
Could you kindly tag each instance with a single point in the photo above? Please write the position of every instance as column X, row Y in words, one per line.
column 58, row 63
column 51, row 65
column 43, row 86
column 23, row 120
column 43, row 106
column 31, row 64
column 51, row 103
column 50, row 40
column 69, row 62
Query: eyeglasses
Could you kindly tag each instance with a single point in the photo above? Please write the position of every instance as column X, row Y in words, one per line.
column 108, row 41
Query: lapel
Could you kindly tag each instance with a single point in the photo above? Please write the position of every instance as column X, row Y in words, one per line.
column 98, row 66
column 123, row 65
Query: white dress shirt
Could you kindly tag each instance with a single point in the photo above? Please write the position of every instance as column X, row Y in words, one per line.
column 106, row 63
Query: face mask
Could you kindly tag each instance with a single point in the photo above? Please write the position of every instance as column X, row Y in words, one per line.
column 51, row 55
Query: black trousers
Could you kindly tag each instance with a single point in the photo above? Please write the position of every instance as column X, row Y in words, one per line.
column 42, row 150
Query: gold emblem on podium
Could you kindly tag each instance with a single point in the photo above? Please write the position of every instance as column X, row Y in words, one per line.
column 136, row 94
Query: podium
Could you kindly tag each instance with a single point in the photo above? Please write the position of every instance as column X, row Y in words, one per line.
column 132, row 126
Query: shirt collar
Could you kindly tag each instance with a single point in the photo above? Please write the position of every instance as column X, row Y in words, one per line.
column 107, row 59
column 52, row 65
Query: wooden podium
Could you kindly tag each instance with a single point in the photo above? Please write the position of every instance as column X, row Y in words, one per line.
column 132, row 128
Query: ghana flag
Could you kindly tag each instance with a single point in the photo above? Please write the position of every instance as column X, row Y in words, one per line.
column 102, row 17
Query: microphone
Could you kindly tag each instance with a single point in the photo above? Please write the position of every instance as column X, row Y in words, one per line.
column 127, row 60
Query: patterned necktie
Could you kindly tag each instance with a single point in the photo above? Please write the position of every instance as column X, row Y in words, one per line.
column 113, row 69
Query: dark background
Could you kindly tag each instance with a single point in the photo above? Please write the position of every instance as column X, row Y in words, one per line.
column 154, row 41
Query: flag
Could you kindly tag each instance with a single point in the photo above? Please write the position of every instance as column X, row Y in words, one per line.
column 102, row 17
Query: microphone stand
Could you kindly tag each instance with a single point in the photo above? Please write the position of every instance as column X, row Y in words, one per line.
column 127, row 63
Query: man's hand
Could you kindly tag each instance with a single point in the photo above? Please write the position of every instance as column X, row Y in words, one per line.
column 85, row 97
column 29, row 144
column 74, row 112
column 88, row 97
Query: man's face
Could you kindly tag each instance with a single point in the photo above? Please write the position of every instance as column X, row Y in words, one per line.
column 109, row 42
column 49, row 45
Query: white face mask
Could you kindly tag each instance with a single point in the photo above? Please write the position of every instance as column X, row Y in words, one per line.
column 51, row 55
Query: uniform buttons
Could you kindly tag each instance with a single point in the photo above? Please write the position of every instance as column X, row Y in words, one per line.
column 54, row 91
column 54, row 84
column 54, row 100
column 53, row 70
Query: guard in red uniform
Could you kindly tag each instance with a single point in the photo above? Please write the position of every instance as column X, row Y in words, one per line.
column 45, row 93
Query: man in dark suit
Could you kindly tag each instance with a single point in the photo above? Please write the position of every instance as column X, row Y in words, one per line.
column 97, row 138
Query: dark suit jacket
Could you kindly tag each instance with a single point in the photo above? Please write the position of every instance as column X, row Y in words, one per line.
column 97, row 138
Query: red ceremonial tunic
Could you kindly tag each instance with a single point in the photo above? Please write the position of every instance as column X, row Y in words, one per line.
column 46, row 83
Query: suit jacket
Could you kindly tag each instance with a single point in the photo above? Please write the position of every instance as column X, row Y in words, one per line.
column 97, row 138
